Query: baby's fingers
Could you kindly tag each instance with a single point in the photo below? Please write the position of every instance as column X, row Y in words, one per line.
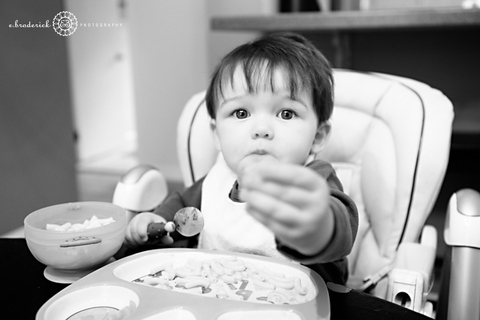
column 132, row 238
column 269, row 210
column 282, row 174
column 137, row 230
column 291, row 195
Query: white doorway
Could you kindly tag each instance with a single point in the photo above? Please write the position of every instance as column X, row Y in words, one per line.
column 102, row 89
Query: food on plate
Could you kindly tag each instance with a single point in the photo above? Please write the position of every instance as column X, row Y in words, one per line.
column 93, row 222
column 229, row 278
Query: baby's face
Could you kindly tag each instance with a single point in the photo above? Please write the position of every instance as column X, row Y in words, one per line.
column 265, row 125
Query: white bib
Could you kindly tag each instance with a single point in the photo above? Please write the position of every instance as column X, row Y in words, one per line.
column 228, row 226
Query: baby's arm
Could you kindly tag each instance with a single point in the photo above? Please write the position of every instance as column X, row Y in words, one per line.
column 137, row 235
column 295, row 202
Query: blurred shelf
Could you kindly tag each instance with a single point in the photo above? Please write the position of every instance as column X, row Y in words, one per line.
column 351, row 20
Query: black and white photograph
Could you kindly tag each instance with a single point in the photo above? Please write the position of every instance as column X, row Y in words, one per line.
column 240, row 159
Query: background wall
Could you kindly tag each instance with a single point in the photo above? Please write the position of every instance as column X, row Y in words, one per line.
column 169, row 55
column 101, row 80
column 37, row 155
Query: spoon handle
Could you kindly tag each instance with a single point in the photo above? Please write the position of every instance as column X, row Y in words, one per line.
column 156, row 230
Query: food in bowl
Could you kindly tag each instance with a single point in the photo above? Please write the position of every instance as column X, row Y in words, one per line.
column 93, row 222
column 76, row 249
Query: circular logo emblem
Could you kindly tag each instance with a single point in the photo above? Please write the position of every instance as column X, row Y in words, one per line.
column 65, row 23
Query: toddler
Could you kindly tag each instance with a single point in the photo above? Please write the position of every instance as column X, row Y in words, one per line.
column 269, row 102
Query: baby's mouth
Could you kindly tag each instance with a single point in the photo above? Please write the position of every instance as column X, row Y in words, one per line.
column 260, row 152
column 261, row 155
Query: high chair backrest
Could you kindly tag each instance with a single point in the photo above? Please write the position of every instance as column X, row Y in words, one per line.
column 389, row 144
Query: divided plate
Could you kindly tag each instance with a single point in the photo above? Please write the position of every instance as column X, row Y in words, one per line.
column 193, row 284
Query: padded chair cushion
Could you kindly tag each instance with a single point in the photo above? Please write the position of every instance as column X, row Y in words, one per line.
column 381, row 130
column 195, row 147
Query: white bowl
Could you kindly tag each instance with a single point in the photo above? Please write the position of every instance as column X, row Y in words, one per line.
column 75, row 250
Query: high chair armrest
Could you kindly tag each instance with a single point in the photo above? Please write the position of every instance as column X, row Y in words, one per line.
column 411, row 277
column 462, row 235
column 463, row 219
column 142, row 188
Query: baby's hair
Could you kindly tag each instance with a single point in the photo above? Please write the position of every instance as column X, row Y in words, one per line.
column 305, row 67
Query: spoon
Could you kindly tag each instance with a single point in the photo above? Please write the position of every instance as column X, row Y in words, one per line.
column 188, row 222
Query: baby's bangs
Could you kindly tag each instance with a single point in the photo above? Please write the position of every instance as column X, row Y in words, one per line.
column 260, row 76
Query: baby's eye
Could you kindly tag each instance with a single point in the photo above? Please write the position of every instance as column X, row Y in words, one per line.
column 287, row 114
column 241, row 114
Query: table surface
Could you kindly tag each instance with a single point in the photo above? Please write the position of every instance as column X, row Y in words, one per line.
column 27, row 290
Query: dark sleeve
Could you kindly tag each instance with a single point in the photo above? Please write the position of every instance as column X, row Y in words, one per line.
column 190, row 197
column 345, row 225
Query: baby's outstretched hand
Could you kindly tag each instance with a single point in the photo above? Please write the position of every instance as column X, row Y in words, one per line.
column 292, row 201
column 137, row 230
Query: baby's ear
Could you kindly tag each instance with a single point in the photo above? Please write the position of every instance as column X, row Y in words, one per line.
column 213, row 127
column 321, row 137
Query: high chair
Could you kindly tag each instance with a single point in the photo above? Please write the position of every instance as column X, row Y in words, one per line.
column 389, row 144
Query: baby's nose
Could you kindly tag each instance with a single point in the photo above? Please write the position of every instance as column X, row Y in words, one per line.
column 262, row 135
column 262, row 131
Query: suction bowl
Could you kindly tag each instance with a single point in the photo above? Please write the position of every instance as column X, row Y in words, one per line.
column 72, row 251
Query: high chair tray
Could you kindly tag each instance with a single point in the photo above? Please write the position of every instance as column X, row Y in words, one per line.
column 193, row 284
